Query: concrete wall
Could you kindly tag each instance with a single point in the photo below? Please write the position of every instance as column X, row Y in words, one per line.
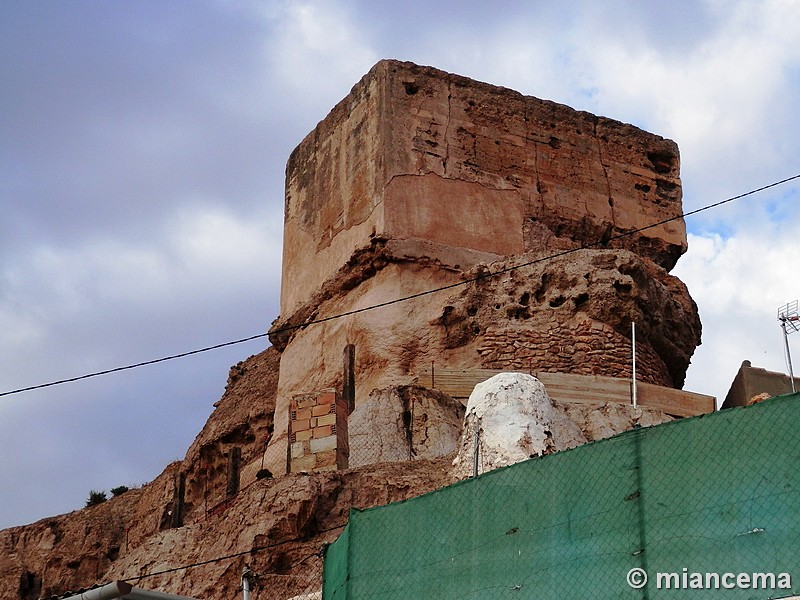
column 751, row 381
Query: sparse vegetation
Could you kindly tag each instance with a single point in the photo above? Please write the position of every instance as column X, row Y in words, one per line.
column 96, row 498
column 118, row 491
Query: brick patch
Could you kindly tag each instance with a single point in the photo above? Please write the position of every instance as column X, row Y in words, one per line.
column 318, row 432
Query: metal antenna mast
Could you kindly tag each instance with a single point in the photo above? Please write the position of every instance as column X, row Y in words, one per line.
column 790, row 322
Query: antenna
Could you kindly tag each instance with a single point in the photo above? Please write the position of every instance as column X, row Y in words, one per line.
column 790, row 323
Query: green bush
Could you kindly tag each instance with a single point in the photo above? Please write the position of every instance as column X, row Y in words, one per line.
column 118, row 491
column 96, row 498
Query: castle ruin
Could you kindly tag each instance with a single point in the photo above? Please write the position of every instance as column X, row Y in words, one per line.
column 421, row 179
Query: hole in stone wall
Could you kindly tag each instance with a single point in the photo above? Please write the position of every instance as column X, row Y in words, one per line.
column 411, row 87
column 556, row 302
column 622, row 287
column 30, row 586
column 281, row 564
column 662, row 161
column 540, row 292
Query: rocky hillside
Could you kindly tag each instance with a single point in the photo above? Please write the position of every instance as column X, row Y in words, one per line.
column 276, row 526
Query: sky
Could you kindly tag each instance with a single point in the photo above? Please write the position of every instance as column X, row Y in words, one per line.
column 142, row 155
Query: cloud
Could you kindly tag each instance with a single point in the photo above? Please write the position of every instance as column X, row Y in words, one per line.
column 716, row 99
column 108, row 302
column 738, row 283
column 316, row 53
column 141, row 182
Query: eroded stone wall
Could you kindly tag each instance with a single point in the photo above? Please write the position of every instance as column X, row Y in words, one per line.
column 419, row 154
column 421, row 179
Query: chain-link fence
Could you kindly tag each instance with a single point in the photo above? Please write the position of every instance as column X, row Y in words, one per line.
column 710, row 503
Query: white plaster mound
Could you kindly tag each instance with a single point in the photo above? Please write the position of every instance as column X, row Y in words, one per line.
column 516, row 421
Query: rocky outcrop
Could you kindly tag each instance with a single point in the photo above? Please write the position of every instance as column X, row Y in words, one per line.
column 404, row 423
column 277, row 527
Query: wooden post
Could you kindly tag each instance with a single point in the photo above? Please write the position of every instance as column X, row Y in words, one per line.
column 349, row 377
column 234, row 465
column 178, row 495
column 633, row 364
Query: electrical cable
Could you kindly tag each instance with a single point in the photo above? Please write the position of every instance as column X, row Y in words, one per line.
column 463, row 282
column 372, row 307
column 134, row 366
column 253, row 550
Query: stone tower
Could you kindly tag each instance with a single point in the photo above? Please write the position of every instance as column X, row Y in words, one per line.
column 419, row 180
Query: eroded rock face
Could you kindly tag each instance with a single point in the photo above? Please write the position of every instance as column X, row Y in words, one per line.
column 570, row 314
column 79, row 549
column 404, row 423
column 288, row 520
column 573, row 314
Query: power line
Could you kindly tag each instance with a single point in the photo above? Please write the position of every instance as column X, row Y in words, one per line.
column 134, row 366
column 463, row 282
column 253, row 550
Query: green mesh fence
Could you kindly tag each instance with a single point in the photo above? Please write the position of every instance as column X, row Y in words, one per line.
column 692, row 503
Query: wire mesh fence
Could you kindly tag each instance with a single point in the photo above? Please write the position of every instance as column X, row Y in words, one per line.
column 709, row 503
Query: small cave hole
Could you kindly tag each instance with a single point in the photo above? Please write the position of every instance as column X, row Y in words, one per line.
column 581, row 299
column 472, row 311
column 622, row 287
column 662, row 161
column 525, row 299
column 282, row 564
column 30, row 586
column 556, row 302
column 411, row 87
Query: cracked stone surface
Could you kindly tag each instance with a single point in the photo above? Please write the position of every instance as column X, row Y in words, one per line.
column 415, row 153
column 404, row 423
column 420, row 179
